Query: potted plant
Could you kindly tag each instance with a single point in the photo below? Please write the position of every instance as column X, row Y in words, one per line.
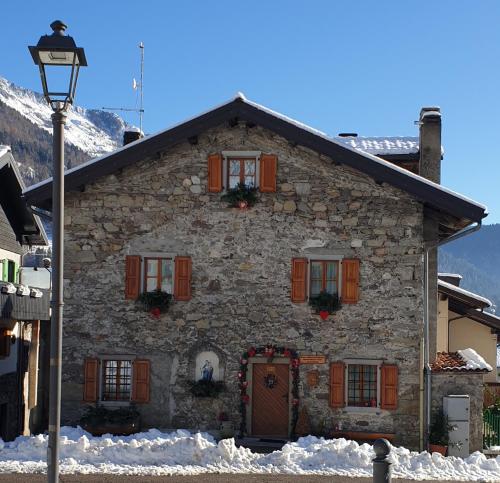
column 155, row 302
column 325, row 303
column 242, row 196
column 439, row 433
column 99, row 420
column 225, row 426
column 206, row 388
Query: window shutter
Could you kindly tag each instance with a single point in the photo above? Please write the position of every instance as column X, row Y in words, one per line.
column 267, row 178
column 182, row 283
column 215, row 173
column 140, row 381
column 350, row 280
column 91, row 380
column 299, row 279
column 337, row 389
column 389, row 386
column 5, row 270
column 132, row 276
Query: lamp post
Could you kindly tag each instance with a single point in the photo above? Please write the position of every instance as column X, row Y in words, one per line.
column 57, row 51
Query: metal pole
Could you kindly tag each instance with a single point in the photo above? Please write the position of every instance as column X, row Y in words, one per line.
column 58, row 122
column 382, row 471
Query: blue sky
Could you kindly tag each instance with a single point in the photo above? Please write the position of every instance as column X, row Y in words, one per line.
column 361, row 66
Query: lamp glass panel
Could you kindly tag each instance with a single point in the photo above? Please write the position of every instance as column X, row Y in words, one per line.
column 57, row 57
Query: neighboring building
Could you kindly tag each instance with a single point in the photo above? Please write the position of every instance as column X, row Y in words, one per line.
column 463, row 322
column 21, row 310
column 329, row 217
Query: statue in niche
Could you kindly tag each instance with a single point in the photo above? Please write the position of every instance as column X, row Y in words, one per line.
column 207, row 371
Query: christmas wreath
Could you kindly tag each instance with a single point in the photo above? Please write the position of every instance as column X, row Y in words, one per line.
column 269, row 351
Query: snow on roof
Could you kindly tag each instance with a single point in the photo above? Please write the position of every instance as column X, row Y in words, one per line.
column 382, row 145
column 454, row 275
column 4, row 149
column 462, row 360
column 461, row 291
column 473, row 360
column 300, row 125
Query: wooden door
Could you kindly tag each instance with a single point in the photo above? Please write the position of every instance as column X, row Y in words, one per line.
column 270, row 395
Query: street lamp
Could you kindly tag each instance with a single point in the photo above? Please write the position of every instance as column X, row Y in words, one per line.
column 55, row 51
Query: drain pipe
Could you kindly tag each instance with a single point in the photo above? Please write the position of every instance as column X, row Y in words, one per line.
column 427, row 367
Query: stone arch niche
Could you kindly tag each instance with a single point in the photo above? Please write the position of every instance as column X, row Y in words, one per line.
column 208, row 367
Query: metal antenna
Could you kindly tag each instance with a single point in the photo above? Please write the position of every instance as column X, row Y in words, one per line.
column 135, row 85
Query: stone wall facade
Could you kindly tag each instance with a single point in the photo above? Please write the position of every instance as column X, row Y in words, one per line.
column 241, row 279
column 453, row 383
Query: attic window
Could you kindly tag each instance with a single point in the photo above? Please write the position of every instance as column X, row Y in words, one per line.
column 241, row 167
column 241, row 170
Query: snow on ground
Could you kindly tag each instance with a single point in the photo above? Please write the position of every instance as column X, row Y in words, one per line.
column 185, row 453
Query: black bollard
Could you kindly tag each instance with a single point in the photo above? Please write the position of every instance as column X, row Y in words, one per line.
column 382, row 471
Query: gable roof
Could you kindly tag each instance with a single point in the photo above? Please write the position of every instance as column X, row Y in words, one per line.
column 26, row 226
column 462, row 210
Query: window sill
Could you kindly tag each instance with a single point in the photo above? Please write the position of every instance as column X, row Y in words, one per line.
column 362, row 410
column 111, row 404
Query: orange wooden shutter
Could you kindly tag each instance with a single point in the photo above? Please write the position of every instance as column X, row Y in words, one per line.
column 350, row 280
column 389, row 387
column 215, row 173
column 337, row 390
column 267, row 178
column 91, row 380
column 182, row 284
column 140, row 381
column 132, row 276
column 299, row 279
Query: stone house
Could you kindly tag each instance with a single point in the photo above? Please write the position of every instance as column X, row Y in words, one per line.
column 329, row 217
column 24, row 312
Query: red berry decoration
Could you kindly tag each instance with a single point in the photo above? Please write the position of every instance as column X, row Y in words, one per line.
column 245, row 398
column 324, row 314
column 251, row 352
column 244, row 362
column 155, row 313
column 287, row 353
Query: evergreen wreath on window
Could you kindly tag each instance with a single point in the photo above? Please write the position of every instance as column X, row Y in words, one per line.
column 156, row 302
column 241, row 196
column 325, row 302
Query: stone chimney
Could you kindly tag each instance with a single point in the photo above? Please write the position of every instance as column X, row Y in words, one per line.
column 430, row 144
column 133, row 134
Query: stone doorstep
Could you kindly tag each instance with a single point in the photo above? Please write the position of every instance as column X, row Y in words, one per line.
column 261, row 445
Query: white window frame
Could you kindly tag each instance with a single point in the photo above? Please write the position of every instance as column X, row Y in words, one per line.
column 145, row 255
column 115, row 357
column 331, row 258
column 239, row 154
column 365, row 362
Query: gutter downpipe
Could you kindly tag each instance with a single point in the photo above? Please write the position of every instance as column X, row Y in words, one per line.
column 427, row 367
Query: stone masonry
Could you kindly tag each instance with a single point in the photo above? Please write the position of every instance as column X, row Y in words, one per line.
column 241, row 279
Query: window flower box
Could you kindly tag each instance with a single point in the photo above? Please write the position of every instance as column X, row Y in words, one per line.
column 99, row 420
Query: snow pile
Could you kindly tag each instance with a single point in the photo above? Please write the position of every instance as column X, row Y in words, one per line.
column 4, row 149
column 473, row 360
column 94, row 132
column 185, row 453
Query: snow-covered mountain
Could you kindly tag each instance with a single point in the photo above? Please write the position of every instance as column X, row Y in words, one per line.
column 92, row 131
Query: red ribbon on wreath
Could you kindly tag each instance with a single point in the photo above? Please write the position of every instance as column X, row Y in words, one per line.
column 155, row 313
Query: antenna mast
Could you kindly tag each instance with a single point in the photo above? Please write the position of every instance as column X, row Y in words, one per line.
column 135, row 85
column 141, row 107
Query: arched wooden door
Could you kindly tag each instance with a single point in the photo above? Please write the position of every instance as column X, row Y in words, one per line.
column 270, row 400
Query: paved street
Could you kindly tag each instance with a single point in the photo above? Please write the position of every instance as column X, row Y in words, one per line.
column 208, row 478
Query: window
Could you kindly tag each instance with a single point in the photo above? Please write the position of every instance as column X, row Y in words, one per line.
column 242, row 170
column 324, row 277
column 116, row 380
column 362, row 385
column 158, row 274
column 11, row 277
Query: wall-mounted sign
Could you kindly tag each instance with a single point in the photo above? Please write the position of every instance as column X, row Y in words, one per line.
column 312, row 378
column 312, row 359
